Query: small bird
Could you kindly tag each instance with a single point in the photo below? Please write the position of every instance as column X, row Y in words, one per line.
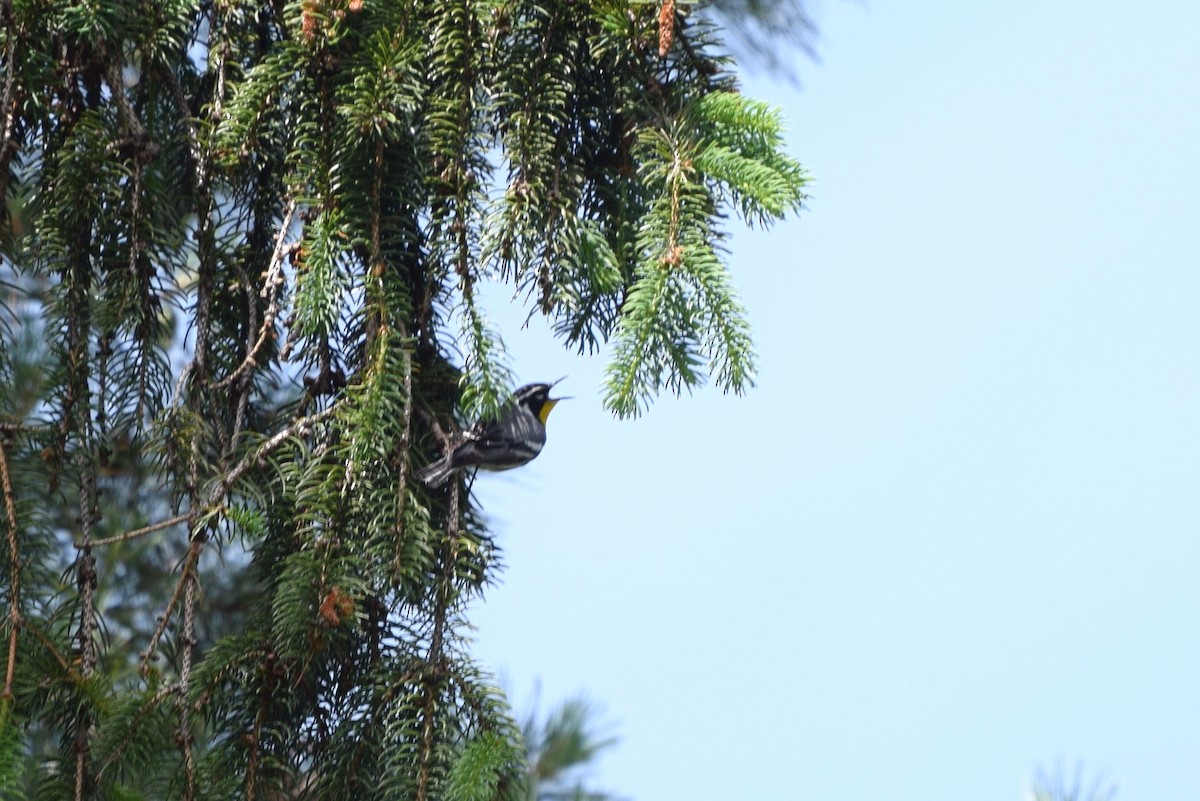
column 511, row 440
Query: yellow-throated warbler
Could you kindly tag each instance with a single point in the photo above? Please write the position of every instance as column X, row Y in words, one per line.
column 511, row 440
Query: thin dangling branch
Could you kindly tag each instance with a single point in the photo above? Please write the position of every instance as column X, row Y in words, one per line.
column 272, row 286
column 435, row 667
column 14, row 578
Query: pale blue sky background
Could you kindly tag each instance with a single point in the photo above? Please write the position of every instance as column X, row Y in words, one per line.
column 953, row 534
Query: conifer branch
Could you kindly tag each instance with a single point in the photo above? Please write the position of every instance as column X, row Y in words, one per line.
column 435, row 657
column 24, row 428
column 52, row 649
column 404, row 448
column 222, row 488
column 140, row 532
column 573, row 151
column 272, row 286
column 188, row 644
column 14, row 578
column 8, row 111
column 135, row 724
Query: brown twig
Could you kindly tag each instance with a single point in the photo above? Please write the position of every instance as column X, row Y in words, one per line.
column 125, row 111
column 23, row 428
column 87, row 568
column 273, row 280
column 405, row 447
column 448, row 440
column 185, row 669
column 14, row 588
column 48, row 644
column 165, row 618
column 434, row 662
column 7, row 148
column 119, row 751
column 88, row 624
column 15, row 621
column 141, row 532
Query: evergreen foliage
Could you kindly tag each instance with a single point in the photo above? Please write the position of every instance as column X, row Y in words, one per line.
column 238, row 307
column 557, row 748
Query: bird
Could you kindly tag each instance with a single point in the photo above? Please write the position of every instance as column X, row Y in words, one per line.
column 513, row 439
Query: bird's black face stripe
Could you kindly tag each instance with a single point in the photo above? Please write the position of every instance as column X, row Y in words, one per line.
column 533, row 397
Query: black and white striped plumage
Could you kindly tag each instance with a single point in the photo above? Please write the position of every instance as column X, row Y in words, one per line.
column 512, row 440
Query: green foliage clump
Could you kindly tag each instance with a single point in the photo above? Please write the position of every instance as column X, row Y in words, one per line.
column 238, row 273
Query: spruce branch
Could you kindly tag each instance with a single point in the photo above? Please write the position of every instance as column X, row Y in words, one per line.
column 68, row 669
column 14, row 577
column 404, row 448
column 184, row 736
column 222, row 487
column 8, row 110
column 356, row 186
column 435, row 669
column 132, row 730
column 9, row 428
column 271, row 291
column 140, row 532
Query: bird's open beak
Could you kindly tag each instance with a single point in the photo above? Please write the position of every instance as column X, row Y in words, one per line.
column 556, row 400
column 550, row 404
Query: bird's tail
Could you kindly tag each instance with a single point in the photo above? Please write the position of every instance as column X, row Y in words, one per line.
column 434, row 475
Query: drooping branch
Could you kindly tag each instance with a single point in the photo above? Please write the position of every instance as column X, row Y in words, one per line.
column 140, row 532
column 272, row 291
column 222, row 488
column 8, row 110
column 14, row 577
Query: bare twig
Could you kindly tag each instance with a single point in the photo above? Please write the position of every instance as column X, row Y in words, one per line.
column 14, row 579
column 448, row 440
column 185, row 670
column 87, row 567
column 125, row 112
column 48, row 644
column 87, row 579
column 6, row 99
column 165, row 618
column 85, row 561
column 405, row 446
column 434, row 661
column 24, row 428
column 273, row 280
column 141, row 532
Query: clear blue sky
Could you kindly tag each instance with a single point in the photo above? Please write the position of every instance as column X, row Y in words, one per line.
column 954, row 534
